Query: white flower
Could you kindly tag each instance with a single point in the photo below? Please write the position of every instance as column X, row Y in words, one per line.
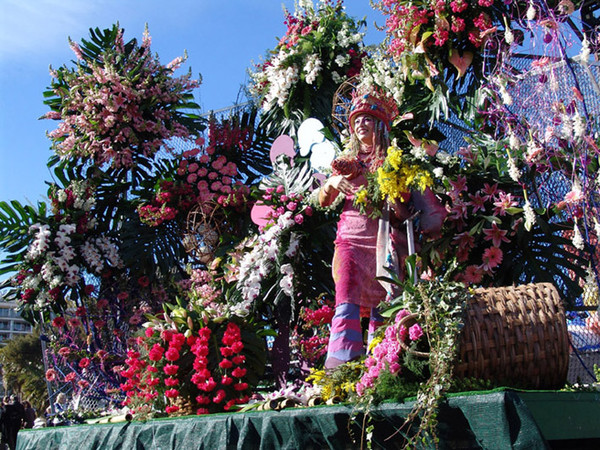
column 584, row 55
column 530, row 217
column 287, row 285
column 567, row 127
column 294, row 245
column 533, row 150
column 579, row 126
column 312, row 68
column 286, row 269
column 419, row 153
column 531, row 11
column 438, row 172
column 506, row 97
column 513, row 170
column 509, row 37
column 513, row 141
column 577, row 238
column 306, row 4
column 342, row 60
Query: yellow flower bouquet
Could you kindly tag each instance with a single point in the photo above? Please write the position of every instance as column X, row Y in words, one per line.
column 393, row 181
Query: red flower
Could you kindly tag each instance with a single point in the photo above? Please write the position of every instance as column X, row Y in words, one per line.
column 171, row 369
column 237, row 347
column 64, row 351
column 123, row 296
column 83, row 384
column 170, row 382
column 177, row 340
column 144, row 281
column 202, row 411
column 226, row 351
column 172, row 354
column 238, row 372
column 171, row 409
column 84, row 362
column 239, row 359
column 156, row 353
column 171, row 393
column 152, row 382
column 149, row 332
column 203, row 400
column 240, row 386
column 51, row 375
column 89, row 288
column 225, row 364
column 219, row 397
column 226, row 381
column 58, row 322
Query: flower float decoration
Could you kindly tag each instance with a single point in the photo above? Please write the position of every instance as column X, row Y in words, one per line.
column 321, row 48
column 119, row 103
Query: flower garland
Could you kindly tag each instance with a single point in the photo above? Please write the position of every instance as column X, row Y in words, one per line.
column 175, row 374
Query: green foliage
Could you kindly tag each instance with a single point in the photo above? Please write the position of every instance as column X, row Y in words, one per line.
column 23, row 369
column 15, row 220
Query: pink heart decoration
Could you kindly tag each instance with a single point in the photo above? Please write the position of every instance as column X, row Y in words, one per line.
column 283, row 145
column 259, row 213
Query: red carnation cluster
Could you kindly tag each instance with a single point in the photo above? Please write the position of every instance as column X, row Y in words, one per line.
column 156, row 375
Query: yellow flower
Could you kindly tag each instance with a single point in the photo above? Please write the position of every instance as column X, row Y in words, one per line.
column 374, row 343
column 361, row 196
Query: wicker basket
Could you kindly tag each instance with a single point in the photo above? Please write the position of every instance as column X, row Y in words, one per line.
column 513, row 336
column 516, row 336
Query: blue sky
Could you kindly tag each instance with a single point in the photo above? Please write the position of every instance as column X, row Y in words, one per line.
column 222, row 38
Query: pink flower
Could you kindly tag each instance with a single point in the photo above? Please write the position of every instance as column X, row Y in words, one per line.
column 473, row 275
column 171, row 409
column 492, row 257
column 51, row 374
column 504, row 202
column 70, row 377
column 495, row 234
column 83, row 384
column 64, row 352
column 415, row 332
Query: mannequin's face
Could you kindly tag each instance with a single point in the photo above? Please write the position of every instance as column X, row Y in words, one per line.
column 364, row 127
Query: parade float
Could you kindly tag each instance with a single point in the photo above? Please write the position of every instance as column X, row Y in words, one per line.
column 180, row 273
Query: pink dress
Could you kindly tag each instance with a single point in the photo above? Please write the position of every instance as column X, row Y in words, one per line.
column 354, row 264
column 354, row 261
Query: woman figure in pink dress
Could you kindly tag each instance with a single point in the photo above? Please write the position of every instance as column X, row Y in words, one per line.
column 354, row 264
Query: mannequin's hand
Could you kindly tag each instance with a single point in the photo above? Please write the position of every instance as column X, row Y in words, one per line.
column 341, row 184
